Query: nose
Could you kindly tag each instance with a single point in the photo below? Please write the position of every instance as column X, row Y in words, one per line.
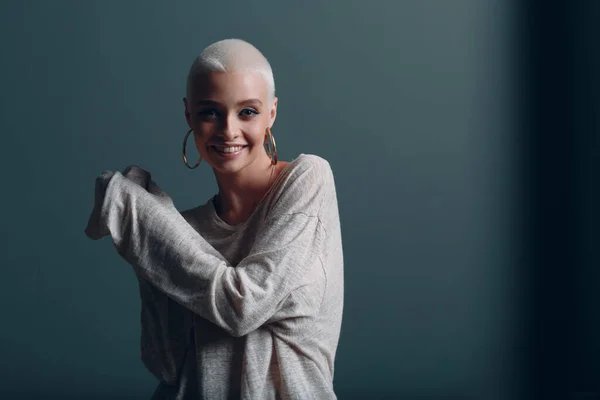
column 230, row 128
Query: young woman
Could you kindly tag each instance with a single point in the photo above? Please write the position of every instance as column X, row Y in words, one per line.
column 242, row 297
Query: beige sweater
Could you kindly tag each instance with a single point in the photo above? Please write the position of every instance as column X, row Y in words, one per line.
column 251, row 311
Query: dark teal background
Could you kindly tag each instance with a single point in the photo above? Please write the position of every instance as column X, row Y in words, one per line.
column 408, row 100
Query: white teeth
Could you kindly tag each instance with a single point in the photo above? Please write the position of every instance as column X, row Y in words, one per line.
column 229, row 149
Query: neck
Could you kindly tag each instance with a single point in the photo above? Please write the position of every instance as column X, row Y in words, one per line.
column 240, row 193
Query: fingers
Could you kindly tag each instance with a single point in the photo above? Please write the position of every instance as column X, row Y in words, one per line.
column 154, row 189
column 138, row 175
column 96, row 227
column 143, row 178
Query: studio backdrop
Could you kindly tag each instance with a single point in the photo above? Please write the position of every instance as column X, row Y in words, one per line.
column 407, row 100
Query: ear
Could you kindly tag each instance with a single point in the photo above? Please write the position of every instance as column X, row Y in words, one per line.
column 273, row 113
column 187, row 112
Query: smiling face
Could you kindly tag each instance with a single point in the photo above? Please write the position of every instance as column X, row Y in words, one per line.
column 229, row 113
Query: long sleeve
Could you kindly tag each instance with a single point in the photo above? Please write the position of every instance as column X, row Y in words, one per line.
column 165, row 250
column 166, row 329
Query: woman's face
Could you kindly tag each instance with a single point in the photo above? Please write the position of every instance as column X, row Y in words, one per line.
column 229, row 113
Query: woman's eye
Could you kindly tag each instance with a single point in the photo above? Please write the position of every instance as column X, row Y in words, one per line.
column 247, row 112
column 209, row 112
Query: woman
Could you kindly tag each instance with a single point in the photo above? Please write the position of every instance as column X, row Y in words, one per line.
column 241, row 297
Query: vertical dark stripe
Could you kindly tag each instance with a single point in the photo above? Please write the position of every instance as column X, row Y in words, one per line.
column 547, row 175
column 585, row 369
column 559, row 105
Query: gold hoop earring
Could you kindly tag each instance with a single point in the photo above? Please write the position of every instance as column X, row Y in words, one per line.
column 184, row 157
column 270, row 146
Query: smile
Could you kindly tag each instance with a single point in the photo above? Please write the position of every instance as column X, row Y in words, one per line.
column 228, row 152
column 234, row 149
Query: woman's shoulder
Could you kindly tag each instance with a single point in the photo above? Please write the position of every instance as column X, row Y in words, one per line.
column 305, row 173
column 312, row 159
column 304, row 184
column 311, row 164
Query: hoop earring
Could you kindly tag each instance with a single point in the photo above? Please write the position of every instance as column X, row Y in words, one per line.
column 270, row 146
column 184, row 157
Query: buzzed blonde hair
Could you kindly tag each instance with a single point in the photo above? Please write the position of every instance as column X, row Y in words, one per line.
column 231, row 55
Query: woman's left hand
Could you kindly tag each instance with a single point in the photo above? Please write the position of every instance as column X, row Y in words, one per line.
column 138, row 175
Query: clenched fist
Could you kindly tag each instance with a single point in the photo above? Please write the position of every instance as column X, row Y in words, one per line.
column 136, row 176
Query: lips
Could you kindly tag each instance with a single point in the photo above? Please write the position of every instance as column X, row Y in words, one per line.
column 228, row 152
column 228, row 149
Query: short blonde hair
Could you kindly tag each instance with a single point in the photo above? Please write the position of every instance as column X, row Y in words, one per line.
column 231, row 55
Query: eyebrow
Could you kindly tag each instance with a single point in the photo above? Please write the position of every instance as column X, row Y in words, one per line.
column 240, row 103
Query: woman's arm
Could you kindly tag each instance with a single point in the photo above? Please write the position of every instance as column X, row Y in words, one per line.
column 166, row 329
column 164, row 249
